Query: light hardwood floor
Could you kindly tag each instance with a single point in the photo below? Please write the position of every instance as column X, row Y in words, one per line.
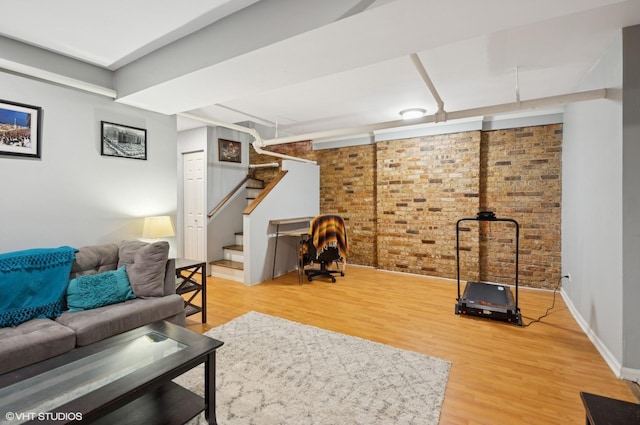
column 500, row 373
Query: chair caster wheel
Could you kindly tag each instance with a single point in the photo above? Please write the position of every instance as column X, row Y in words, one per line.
column 309, row 278
column 342, row 274
column 333, row 279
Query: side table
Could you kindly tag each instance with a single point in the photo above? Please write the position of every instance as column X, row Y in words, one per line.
column 186, row 284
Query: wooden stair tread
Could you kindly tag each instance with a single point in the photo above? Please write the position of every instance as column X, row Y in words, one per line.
column 236, row 265
column 234, row 247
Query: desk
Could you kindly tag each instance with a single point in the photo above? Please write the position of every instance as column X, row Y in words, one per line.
column 298, row 232
column 609, row 411
column 185, row 283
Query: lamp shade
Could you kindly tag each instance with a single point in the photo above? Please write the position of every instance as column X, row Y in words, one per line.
column 157, row 227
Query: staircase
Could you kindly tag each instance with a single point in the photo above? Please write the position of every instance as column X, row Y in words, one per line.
column 231, row 266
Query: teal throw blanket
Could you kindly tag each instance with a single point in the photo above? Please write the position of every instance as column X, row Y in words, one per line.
column 33, row 283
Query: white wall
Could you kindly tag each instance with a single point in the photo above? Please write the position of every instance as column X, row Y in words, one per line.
column 601, row 206
column 296, row 195
column 631, row 202
column 224, row 176
column 221, row 178
column 190, row 141
column 592, row 216
column 72, row 195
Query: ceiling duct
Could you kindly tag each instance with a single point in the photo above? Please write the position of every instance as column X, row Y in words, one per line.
column 257, row 143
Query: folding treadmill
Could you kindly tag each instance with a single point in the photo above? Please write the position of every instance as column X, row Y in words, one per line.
column 488, row 300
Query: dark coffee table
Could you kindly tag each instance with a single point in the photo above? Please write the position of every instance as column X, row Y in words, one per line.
column 125, row 379
column 609, row 411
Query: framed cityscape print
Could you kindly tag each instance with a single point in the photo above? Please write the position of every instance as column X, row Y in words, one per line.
column 123, row 141
column 20, row 126
column 229, row 151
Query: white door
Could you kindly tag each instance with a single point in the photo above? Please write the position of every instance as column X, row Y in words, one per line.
column 194, row 206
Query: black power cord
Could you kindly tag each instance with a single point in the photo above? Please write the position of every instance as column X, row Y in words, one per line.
column 546, row 313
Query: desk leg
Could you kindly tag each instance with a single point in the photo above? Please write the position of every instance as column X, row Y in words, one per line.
column 210, row 389
column 275, row 250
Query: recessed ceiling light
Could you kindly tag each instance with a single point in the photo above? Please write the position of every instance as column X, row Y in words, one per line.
column 408, row 114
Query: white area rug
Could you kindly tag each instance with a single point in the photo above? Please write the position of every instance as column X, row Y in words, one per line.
column 274, row 371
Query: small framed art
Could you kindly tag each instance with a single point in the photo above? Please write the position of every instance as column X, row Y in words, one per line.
column 229, row 151
column 123, row 141
column 20, row 129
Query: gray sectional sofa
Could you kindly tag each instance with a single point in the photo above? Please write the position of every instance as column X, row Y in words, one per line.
column 152, row 280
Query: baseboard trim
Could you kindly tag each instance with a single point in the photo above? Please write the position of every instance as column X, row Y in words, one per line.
column 626, row 373
column 631, row 375
column 608, row 357
column 635, row 389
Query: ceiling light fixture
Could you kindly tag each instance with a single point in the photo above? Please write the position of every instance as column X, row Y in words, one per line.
column 411, row 113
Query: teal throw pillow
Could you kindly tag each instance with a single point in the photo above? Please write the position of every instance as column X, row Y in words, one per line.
column 97, row 290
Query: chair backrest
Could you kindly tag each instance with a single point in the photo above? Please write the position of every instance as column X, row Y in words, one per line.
column 328, row 232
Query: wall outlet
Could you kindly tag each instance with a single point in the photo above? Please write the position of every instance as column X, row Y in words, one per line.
column 568, row 275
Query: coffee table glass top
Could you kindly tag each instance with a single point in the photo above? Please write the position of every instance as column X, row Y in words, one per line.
column 54, row 388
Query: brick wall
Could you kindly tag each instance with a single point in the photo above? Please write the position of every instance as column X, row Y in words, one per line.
column 298, row 150
column 347, row 188
column 424, row 185
column 521, row 179
column 401, row 200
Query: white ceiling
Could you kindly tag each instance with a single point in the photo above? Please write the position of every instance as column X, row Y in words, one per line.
column 313, row 65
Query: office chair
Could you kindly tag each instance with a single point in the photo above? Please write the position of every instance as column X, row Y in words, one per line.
column 326, row 244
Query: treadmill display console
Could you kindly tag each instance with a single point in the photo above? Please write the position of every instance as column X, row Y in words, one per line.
column 486, row 215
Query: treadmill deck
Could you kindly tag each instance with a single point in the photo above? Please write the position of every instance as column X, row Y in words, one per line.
column 489, row 300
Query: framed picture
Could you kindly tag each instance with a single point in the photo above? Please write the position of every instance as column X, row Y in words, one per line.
column 20, row 129
column 123, row 141
column 229, row 151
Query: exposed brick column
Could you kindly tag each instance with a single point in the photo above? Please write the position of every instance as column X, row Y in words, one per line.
column 424, row 186
column 523, row 182
column 348, row 188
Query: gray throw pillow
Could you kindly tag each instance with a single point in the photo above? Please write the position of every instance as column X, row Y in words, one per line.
column 146, row 264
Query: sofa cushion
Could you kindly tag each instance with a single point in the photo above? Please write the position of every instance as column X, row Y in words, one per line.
column 102, row 322
column 95, row 259
column 97, row 290
column 33, row 341
column 146, row 266
column 33, row 283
